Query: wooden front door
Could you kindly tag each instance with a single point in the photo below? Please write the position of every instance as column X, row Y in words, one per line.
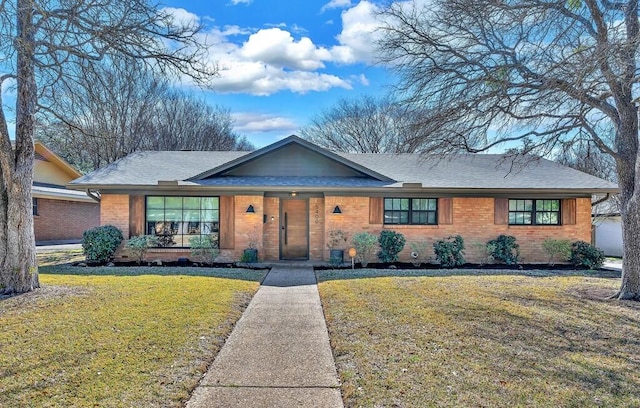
column 294, row 229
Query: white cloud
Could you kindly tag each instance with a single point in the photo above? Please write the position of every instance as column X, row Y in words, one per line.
column 269, row 60
column 236, row 2
column 336, row 4
column 276, row 47
column 181, row 17
column 263, row 122
column 262, row 79
column 358, row 34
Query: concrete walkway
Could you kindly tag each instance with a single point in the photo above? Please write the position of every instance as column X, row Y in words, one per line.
column 278, row 355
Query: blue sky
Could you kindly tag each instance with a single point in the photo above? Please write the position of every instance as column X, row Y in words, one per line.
column 283, row 62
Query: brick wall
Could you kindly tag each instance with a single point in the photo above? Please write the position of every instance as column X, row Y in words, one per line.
column 248, row 227
column 114, row 210
column 473, row 219
column 62, row 220
column 317, row 217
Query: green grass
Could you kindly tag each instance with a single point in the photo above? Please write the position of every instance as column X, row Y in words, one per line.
column 117, row 337
column 482, row 341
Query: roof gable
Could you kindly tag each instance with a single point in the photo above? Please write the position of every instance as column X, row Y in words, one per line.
column 49, row 168
column 291, row 157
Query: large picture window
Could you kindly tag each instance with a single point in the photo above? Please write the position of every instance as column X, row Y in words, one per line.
column 175, row 220
column 419, row 211
column 534, row 212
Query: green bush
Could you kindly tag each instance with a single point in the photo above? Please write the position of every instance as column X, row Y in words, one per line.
column 99, row 244
column 365, row 245
column 557, row 249
column 138, row 246
column 249, row 255
column 585, row 255
column 504, row 249
column 391, row 243
column 204, row 248
column 449, row 251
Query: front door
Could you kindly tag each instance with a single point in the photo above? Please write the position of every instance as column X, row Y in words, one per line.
column 294, row 229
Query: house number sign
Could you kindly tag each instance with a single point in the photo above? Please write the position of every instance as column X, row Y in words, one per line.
column 316, row 215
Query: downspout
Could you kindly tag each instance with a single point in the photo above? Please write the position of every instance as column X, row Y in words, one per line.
column 95, row 197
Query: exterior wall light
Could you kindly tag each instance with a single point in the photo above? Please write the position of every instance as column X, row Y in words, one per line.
column 250, row 209
column 337, row 210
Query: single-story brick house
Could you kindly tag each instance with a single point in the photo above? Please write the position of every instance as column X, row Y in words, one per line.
column 288, row 196
column 59, row 214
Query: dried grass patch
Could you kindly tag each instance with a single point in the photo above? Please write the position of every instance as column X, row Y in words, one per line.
column 114, row 341
column 483, row 341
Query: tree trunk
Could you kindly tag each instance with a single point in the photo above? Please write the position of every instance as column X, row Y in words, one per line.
column 630, row 286
column 18, row 266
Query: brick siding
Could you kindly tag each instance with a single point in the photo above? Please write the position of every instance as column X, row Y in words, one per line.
column 473, row 219
column 63, row 220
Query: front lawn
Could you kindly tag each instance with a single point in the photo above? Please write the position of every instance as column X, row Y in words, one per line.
column 482, row 341
column 138, row 337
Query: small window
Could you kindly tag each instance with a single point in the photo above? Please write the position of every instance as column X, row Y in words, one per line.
column 415, row 211
column 34, row 205
column 534, row 212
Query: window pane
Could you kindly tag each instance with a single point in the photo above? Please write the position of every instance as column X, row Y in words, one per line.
column 555, row 205
column 191, row 215
column 404, row 217
column 513, row 206
column 388, row 204
column 404, row 204
column 432, row 218
column 192, row 203
column 155, row 202
column 433, row 204
column 193, row 228
column 210, row 215
column 418, row 217
column 173, row 215
column 173, row 202
column 155, row 215
column 526, row 218
column 512, row 218
column 528, row 205
column 210, row 203
column 553, row 218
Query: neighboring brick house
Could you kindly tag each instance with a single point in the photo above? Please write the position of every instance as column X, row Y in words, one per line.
column 60, row 215
column 288, row 196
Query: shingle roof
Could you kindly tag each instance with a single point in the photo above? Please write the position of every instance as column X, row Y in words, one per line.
column 464, row 172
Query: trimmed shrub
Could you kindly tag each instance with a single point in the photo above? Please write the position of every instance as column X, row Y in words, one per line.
column 204, row 248
column 449, row 251
column 391, row 243
column 504, row 249
column 99, row 244
column 557, row 249
column 138, row 246
column 585, row 255
column 365, row 245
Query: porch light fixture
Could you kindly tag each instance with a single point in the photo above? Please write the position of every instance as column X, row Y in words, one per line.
column 337, row 210
column 250, row 209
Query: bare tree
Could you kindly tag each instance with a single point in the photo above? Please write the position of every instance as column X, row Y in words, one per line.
column 40, row 41
column 534, row 72
column 183, row 122
column 367, row 125
column 120, row 107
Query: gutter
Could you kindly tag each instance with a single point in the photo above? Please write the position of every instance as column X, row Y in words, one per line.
column 94, row 196
column 602, row 200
